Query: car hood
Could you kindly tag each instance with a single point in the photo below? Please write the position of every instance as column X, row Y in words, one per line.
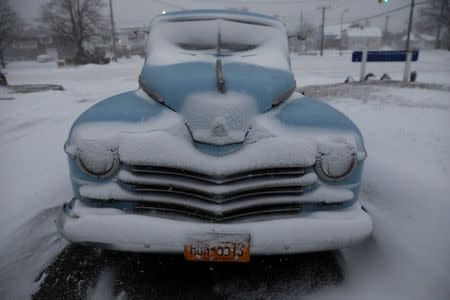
column 134, row 124
column 214, row 116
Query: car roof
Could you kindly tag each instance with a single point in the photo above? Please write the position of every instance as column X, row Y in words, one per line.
column 202, row 14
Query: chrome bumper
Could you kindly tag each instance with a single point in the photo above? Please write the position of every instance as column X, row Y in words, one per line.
column 306, row 232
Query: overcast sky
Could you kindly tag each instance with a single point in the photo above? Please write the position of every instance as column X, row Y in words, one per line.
column 139, row 12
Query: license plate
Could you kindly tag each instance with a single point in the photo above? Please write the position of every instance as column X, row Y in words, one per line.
column 218, row 247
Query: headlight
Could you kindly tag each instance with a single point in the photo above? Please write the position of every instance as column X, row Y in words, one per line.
column 98, row 160
column 335, row 164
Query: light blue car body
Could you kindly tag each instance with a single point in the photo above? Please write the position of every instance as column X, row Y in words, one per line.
column 175, row 82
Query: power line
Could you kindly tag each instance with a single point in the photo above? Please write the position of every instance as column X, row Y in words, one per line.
column 167, row 3
column 390, row 11
column 287, row 2
column 381, row 14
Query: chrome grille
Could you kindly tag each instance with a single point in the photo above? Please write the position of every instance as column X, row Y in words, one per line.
column 226, row 197
column 217, row 198
column 245, row 175
column 207, row 215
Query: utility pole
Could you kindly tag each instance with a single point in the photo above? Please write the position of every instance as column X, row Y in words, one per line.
column 301, row 19
column 299, row 50
column 410, row 21
column 407, row 47
column 386, row 27
column 322, row 40
column 386, row 24
column 437, row 42
column 386, row 30
column 113, row 31
column 342, row 31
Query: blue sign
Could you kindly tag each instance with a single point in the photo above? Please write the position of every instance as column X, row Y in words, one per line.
column 384, row 56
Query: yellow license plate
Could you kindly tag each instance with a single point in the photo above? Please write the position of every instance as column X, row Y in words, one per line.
column 218, row 247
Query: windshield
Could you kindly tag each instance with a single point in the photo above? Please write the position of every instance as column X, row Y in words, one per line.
column 188, row 40
column 220, row 47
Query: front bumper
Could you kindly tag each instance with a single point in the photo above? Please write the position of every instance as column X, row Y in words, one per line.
column 307, row 232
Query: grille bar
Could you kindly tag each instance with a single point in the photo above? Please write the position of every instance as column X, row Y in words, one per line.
column 218, row 179
column 219, row 198
column 213, row 197
column 150, row 182
column 204, row 215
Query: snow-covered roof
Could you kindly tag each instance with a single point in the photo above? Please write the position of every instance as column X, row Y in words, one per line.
column 335, row 29
column 420, row 36
column 364, row 32
column 427, row 37
column 412, row 37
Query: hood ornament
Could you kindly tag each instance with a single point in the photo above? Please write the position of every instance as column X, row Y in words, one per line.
column 219, row 77
column 220, row 81
column 219, row 127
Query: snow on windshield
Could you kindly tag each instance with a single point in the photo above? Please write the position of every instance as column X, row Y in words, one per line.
column 204, row 40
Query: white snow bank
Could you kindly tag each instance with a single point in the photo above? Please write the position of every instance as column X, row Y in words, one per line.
column 405, row 190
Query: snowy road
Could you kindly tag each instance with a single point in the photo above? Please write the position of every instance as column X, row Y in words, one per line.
column 405, row 190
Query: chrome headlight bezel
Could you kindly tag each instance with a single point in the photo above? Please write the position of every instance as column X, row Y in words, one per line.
column 113, row 164
column 322, row 174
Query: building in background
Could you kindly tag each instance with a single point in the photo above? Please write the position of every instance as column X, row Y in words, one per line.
column 28, row 44
column 131, row 41
column 418, row 41
column 358, row 37
column 332, row 35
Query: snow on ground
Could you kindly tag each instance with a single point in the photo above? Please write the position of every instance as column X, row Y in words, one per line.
column 33, row 174
column 405, row 185
column 433, row 67
column 406, row 192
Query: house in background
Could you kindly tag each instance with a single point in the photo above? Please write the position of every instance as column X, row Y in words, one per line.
column 359, row 37
column 28, row 44
column 332, row 35
column 131, row 40
column 419, row 41
column 23, row 47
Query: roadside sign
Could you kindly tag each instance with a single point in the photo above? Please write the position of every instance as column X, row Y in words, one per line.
column 384, row 56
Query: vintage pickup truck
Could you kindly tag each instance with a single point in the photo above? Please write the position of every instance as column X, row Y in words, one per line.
column 215, row 155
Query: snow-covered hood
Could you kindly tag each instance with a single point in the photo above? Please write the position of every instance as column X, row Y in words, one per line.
column 213, row 116
column 144, row 132
column 173, row 84
column 219, row 119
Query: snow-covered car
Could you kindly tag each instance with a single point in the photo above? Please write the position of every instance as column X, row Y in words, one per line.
column 215, row 155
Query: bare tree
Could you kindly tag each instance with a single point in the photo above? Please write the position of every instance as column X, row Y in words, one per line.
column 306, row 29
column 9, row 24
column 304, row 32
column 74, row 22
column 433, row 17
